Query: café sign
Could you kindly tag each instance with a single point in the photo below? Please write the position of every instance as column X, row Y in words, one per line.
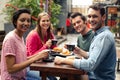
column 112, row 10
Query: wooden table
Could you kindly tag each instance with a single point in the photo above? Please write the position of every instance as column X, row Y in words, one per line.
column 51, row 69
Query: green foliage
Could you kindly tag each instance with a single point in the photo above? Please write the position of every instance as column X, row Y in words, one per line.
column 35, row 8
column 55, row 10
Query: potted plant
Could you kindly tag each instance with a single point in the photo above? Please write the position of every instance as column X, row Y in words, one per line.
column 36, row 6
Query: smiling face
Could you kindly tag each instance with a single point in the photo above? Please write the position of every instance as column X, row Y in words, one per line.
column 23, row 22
column 95, row 19
column 78, row 24
column 44, row 22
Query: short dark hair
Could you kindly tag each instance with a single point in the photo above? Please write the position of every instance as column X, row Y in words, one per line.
column 98, row 7
column 17, row 13
column 75, row 14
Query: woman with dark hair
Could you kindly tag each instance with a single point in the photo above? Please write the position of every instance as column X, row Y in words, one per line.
column 13, row 57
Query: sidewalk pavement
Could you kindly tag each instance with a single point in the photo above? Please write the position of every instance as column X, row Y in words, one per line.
column 70, row 38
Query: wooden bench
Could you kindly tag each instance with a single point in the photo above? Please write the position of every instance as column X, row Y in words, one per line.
column 118, row 59
column 2, row 35
column 117, row 40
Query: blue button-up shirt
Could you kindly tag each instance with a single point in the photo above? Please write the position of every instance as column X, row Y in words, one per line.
column 102, row 56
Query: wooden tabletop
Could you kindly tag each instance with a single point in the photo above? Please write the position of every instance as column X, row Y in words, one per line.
column 49, row 68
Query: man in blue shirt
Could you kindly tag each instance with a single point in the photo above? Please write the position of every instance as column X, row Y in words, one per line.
column 101, row 58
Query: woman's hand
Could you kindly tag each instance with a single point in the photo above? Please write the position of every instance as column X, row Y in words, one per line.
column 65, row 46
column 42, row 55
column 48, row 43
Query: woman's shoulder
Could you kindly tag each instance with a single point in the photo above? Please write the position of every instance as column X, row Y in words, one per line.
column 32, row 34
column 10, row 34
column 10, row 37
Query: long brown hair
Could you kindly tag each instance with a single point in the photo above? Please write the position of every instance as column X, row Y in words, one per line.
column 38, row 27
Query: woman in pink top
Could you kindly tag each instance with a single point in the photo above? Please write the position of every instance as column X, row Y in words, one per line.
column 40, row 38
column 13, row 58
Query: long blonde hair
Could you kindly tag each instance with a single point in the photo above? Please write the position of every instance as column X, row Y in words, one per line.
column 38, row 27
